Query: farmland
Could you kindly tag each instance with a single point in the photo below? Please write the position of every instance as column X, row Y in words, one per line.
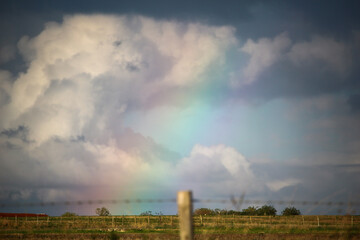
column 166, row 227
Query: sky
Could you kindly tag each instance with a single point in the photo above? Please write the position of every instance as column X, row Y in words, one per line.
column 141, row 99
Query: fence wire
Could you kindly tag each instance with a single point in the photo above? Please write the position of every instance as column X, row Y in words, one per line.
column 233, row 201
column 86, row 202
column 278, row 202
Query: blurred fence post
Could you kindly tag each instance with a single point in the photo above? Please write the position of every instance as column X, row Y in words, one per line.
column 318, row 221
column 184, row 201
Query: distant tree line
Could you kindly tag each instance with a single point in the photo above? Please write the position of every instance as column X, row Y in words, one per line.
column 150, row 213
column 266, row 210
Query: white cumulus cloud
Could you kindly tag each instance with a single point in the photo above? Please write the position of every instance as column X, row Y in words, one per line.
column 96, row 66
column 280, row 184
column 61, row 119
column 263, row 53
column 219, row 169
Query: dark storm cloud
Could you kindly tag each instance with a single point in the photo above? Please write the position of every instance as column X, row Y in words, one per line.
column 80, row 138
column 21, row 132
column 327, row 17
column 331, row 15
column 285, row 80
column 317, row 182
column 158, row 8
column 354, row 102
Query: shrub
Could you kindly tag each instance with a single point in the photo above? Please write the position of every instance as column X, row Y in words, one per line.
column 290, row 211
column 102, row 211
column 204, row 211
column 266, row 210
column 69, row 214
column 251, row 211
column 113, row 236
column 146, row 213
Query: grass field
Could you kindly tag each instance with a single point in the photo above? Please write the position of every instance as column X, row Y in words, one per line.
column 166, row 227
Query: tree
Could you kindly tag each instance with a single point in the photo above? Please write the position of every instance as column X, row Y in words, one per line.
column 204, row 211
column 290, row 211
column 252, row 211
column 266, row 210
column 69, row 214
column 102, row 211
column 146, row 213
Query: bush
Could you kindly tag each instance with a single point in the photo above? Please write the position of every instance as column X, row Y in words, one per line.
column 266, row 210
column 290, row 211
column 204, row 211
column 146, row 213
column 113, row 236
column 251, row 211
column 69, row 214
column 102, row 211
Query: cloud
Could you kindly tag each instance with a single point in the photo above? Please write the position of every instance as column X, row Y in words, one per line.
column 299, row 69
column 62, row 132
column 7, row 53
column 335, row 55
column 67, row 169
column 216, row 169
column 62, row 125
column 280, row 184
column 96, row 67
column 263, row 53
column 354, row 102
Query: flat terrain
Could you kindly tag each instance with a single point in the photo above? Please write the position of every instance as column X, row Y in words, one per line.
column 166, row 227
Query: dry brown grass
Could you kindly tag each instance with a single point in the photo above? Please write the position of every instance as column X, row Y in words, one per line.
column 166, row 227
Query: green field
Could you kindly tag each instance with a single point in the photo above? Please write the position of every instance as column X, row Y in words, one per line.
column 166, row 227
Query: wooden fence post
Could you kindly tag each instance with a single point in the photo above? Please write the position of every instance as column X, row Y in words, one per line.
column 318, row 220
column 184, row 201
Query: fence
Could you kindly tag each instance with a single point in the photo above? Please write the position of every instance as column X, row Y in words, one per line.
column 184, row 222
